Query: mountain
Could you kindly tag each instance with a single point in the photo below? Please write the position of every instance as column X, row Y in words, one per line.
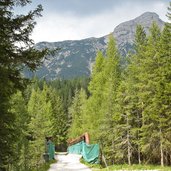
column 76, row 57
column 124, row 32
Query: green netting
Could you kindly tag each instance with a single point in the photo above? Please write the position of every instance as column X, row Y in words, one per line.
column 90, row 153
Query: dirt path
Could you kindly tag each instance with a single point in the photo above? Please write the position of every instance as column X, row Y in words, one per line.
column 70, row 162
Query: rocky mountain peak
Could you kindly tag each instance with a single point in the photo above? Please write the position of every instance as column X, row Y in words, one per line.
column 76, row 57
column 147, row 16
column 125, row 32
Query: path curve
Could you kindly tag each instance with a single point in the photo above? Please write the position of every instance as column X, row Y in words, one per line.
column 69, row 162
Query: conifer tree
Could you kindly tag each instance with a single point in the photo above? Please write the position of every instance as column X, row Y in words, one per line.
column 94, row 112
column 77, row 114
column 16, row 52
column 162, row 96
column 132, row 104
column 164, row 88
column 148, row 76
column 169, row 12
column 19, row 108
column 40, row 125
column 112, row 81
column 59, row 119
column 123, row 122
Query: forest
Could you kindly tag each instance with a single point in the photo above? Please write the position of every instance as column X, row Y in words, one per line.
column 125, row 109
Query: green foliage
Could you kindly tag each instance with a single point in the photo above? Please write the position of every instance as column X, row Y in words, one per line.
column 77, row 114
column 112, row 80
column 18, row 108
column 16, row 51
column 59, row 119
column 128, row 112
column 43, row 167
column 134, row 167
column 128, row 109
column 66, row 89
column 39, row 113
column 169, row 11
column 92, row 166
column 40, row 125
column 93, row 111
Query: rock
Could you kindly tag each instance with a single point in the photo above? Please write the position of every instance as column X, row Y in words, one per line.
column 76, row 57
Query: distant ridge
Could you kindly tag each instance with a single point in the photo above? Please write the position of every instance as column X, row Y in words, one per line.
column 76, row 57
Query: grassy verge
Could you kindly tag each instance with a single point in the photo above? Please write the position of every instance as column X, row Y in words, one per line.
column 134, row 167
column 125, row 167
column 92, row 166
column 45, row 166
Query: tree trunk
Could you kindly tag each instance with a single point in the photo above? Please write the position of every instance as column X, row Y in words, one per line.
column 161, row 149
column 113, row 149
column 128, row 143
column 139, row 151
column 129, row 151
column 139, row 155
column 162, row 155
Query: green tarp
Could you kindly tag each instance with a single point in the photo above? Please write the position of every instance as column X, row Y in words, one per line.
column 76, row 148
column 90, row 153
column 51, row 150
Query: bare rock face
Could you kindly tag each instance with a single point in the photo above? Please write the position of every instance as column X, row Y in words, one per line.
column 125, row 32
column 76, row 57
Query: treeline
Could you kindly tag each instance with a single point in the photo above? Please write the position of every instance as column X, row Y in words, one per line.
column 128, row 111
column 40, row 111
column 67, row 89
column 16, row 52
column 28, row 112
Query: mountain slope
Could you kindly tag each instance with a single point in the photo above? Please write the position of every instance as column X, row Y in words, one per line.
column 76, row 58
column 124, row 32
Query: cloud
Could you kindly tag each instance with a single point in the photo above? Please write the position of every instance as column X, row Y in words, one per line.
column 79, row 7
column 69, row 25
column 92, row 7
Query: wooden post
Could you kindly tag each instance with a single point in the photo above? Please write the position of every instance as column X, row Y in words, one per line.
column 103, row 158
column 87, row 138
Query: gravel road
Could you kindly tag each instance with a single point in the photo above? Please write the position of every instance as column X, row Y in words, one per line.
column 70, row 162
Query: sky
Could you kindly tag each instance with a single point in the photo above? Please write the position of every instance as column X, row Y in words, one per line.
column 80, row 19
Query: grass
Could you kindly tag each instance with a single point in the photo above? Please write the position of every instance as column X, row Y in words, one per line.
column 92, row 166
column 125, row 167
column 45, row 166
column 134, row 167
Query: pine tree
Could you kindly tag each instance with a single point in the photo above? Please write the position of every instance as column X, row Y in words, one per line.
column 18, row 107
column 59, row 120
column 40, row 125
column 162, row 96
column 150, row 130
column 93, row 105
column 169, row 11
column 165, row 85
column 123, row 124
column 77, row 114
column 16, row 52
column 112, row 81
column 132, row 102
